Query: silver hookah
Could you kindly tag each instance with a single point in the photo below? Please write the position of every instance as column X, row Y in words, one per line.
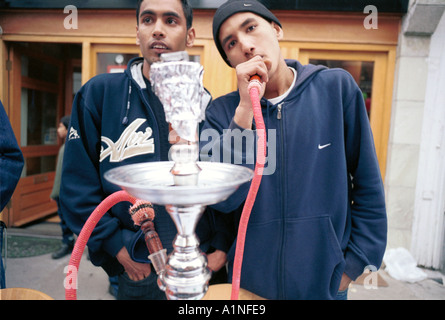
column 183, row 185
column 178, row 84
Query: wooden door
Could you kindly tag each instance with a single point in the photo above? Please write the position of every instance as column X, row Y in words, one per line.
column 36, row 89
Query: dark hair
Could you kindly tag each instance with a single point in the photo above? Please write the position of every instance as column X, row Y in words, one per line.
column 66, row 121
column 186, row 7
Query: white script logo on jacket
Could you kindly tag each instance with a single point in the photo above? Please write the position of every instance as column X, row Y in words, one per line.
column 130, row 144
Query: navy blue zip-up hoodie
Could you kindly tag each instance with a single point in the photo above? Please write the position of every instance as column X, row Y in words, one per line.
column 320, row 209
column 116, row 120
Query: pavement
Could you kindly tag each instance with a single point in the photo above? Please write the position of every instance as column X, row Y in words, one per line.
column 44, row 274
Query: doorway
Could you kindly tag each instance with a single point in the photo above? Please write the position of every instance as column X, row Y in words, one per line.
column 43, row 78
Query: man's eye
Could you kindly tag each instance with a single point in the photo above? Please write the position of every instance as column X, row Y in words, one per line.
column 147, row 20
column 251, row 28
column 231, row 44
column 171, row 21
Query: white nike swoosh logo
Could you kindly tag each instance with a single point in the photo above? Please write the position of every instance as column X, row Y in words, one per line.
column 323, row 146
column 247, row 4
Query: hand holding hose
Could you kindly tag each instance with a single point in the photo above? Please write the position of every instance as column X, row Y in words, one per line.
column 244, row 71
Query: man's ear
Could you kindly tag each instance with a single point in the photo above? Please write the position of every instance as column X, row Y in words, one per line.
column 191, row 34
column 137, row 36
column 278, row 30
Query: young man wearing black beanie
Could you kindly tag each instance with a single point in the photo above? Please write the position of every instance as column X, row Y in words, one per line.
column 319, row 219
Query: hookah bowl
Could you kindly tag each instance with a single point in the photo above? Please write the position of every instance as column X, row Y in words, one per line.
column 184, row 186
column 186, row 275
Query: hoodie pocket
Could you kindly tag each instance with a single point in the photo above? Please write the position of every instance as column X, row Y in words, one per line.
column 260, row 256
column 313, row 260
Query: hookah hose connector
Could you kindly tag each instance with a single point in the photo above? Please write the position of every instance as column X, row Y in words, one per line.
column 143, row 214
column 254, row 89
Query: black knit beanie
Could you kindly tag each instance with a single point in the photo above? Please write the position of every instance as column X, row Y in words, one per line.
column 231, row 7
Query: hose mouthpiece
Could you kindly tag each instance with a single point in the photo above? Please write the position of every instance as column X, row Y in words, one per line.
column 254, row 82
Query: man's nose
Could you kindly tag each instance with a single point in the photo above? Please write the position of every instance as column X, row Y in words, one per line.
column 247, row 47
column 158, row 31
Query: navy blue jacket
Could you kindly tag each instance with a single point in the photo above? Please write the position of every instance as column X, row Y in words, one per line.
column 116, row 120
column 320, row 209
column 11, row 159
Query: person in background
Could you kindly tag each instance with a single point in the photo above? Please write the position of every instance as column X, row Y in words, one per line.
column 11, row 166
column 67, row 234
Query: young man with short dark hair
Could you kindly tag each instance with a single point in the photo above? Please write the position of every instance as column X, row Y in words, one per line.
column 319, row 219
column 108, row 113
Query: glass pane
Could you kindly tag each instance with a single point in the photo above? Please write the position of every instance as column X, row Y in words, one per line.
column 39, row 69
column 38, row 118
column 361, row 71
column 194, row 58
column 113, row 62
column 77, row 79
column 38, row 165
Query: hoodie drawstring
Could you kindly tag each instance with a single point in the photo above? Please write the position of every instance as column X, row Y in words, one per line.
column 125, row 120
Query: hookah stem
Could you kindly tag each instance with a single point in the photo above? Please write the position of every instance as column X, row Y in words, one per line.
column 151, row 237
column 85, row 233
column 254, row 91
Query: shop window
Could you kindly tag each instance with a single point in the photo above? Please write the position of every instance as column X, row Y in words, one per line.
column 361, row 71
column 39, row 118
column 113, row 62
column 117, row 62
column 38, row 165
column 36, row 68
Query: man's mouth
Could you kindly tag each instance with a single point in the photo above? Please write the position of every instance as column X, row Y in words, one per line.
column 159, row 47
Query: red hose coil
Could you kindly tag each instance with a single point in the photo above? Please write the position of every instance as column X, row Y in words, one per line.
column 79, row 247
column 254, row 92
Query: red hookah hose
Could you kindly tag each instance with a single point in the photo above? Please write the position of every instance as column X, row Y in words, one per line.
column 79, row 247
column 254, row 92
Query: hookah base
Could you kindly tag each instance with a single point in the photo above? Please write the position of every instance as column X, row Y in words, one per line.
column 185, row 285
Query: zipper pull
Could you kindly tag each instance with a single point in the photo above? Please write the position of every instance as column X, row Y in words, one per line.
column 279, row 111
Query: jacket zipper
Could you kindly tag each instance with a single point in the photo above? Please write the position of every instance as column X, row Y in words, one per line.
column 279, row 111
column 147, row 105
column 282, row 293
